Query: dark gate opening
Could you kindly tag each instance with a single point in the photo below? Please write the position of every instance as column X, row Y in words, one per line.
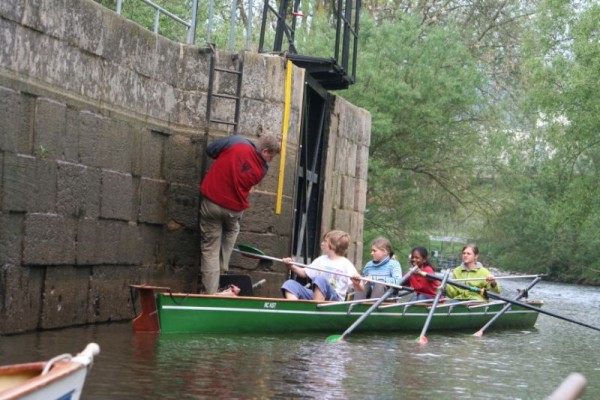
column 306, row 240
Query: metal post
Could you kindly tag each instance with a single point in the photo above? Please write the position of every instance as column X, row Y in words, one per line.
column 191, row 37
column 156, row 21
column 249, row 27
column 211, row 5
column 232, row 24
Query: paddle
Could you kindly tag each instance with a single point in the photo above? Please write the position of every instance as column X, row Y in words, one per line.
column 486, row 293
column 339, row 338
column 479, row 333
column 390, row 291
column 253, row 252
column 422, row 338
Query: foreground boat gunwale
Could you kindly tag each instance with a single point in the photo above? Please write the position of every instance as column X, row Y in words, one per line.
column 60, row 377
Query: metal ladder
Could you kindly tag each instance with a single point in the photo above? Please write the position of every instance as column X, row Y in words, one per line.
column 214, row 69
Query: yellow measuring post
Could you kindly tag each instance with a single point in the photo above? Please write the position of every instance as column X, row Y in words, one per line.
column 284, row 129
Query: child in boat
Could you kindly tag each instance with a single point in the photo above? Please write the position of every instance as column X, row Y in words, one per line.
column 331, row 273
column 382, row 267
column 471, row 268
column 424, row 288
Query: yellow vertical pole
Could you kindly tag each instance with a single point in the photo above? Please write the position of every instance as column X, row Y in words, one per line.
column 284, row 129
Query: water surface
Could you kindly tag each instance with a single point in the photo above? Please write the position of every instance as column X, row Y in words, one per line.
column 507, row 364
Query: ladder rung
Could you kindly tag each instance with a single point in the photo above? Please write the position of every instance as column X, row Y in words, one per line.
column 218, row 121
column 226, row 96
column 230, row 71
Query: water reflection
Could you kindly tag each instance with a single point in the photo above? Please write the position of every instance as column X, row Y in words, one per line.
column 508, row 364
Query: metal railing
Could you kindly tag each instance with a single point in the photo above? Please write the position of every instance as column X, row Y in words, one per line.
column 190, row 25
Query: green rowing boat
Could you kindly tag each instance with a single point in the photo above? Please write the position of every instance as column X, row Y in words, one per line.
column 166, row 312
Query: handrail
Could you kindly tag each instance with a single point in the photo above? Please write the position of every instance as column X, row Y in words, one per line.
column 190, row 25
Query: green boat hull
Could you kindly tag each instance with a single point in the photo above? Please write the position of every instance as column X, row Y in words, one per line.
column 183, row 313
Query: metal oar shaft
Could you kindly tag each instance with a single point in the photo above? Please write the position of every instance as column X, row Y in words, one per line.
column 253, row 255
column 486, row 293
column 387, row 294
column 498, row 277
column 433, row 306
column 507, row 306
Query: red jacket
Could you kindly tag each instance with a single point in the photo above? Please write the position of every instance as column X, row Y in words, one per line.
column 423, row 285
column 238, row 167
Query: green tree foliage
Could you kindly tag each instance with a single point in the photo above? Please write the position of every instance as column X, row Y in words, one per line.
column 421, row 88
column 551, row 223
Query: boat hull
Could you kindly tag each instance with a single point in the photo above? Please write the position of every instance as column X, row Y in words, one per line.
column 188, row 313
column 61, row 378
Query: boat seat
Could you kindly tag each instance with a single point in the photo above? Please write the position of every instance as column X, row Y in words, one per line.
column 241, row 281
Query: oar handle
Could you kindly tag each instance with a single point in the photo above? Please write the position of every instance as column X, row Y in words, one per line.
column 265, row 257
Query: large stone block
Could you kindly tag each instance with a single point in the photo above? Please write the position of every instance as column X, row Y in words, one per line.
column 105, row 143
column 153, row 199
column 182, row 160
column 86, row 25
column 29, row 184
column 151, row 244
column 111, row 242
column 259, row 118
column 20, row 298
column 253, row 85
column 260, row 217
column 182, row 205
column 12, row 9
column 182, row 247
column 7, row 36
column 360, row 200
column 16, row 121
column 181, row 279
column 130, row 91
column 149, row 153
column 78, row 190
column 45, row 16
column 49, row 240
column 117, row 196
column 50, row 128
column 189, row 109
column 11, row 229
column 65, row 297
column 165, row 60
column 193, row 69
column 109, row 293
column 348, row 192
column 162, row 101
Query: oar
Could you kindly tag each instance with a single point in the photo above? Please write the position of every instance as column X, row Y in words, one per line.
column 486, row 293
column 390, row 291
column 339, row 338
column 255, row 254
column 506, row 307
column 499, row 277
column 422, row 338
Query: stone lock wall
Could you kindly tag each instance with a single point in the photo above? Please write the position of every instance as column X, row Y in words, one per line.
column 102, row 133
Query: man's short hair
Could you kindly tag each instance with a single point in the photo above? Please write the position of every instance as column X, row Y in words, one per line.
column 269, row 143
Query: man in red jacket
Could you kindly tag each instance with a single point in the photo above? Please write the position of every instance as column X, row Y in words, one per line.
column 239, row 165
